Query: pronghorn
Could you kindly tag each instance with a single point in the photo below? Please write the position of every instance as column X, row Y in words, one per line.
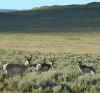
column 85, row 68
column 17, row 68
column 45, row 66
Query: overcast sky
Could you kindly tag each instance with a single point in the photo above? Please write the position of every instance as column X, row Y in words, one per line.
column 29, row 4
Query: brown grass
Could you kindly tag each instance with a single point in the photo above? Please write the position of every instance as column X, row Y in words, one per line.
column 51, row 42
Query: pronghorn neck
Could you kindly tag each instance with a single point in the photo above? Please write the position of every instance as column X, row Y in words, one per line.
column 50, row 63
column 28, row 60
column 80, row 65
column 26, row 63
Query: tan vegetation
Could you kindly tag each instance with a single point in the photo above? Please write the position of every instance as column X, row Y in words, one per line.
column 64, row 77
column 51, row 42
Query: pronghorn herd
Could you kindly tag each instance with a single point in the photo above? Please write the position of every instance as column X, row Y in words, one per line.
column 10, row 69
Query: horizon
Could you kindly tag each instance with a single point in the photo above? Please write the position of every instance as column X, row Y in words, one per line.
column 29, row 4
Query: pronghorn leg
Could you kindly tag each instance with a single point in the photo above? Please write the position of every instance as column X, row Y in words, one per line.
column 3, row 78
column 9, row 74
column 6, row 75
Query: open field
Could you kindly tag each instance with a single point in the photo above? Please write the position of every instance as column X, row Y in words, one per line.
column 51, row 42
column 65, row 77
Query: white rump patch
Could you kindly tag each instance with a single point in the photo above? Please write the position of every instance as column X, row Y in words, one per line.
column 4, row 66
column 38, row 67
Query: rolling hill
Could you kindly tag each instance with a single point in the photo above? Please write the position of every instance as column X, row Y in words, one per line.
column 53, row 18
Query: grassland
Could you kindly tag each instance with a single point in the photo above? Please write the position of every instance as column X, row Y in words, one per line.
column 51, row 42
column 65, row 77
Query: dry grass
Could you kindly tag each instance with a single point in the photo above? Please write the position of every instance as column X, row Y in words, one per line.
column 63, row 77
column 51, row 42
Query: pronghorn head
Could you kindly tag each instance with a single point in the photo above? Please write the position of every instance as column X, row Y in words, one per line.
column 28, row 60
column 79, row 63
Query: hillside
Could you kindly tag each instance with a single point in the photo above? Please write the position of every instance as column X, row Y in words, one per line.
column 52, row 18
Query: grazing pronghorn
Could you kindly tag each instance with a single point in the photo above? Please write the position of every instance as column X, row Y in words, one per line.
column 11, row 69
column 85, row 68
column 45, row 66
